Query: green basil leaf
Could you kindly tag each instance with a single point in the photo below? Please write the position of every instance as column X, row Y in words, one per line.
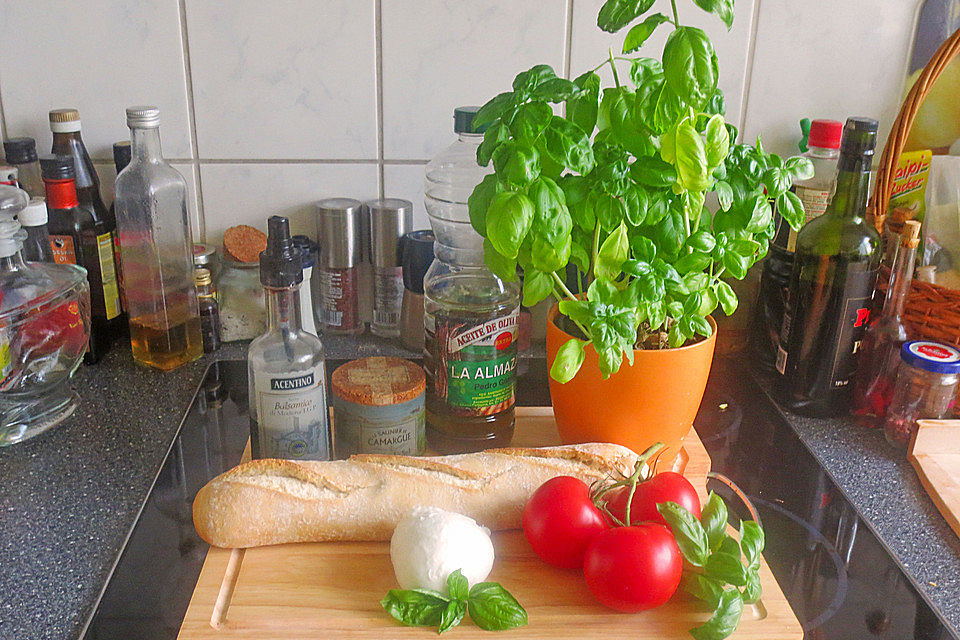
column 601, row 291
column 790, row 207
column 636, row 268
column 643, row 248
column 567, row 144
column 636, row 202
column 556, row 90
column 653, row 172
column 516, row 163
column 616, row 14
column 726, row 566
column 527, row 81
column 493, row 137
column 508, row 220
column 579, row 256
column 800, row 168
column 610, row 360
column 493, row 109
column 452, row 615
column 752, row 542
column 690, row 65
column 713, row 517
column 727, row 297
column 722, row 8
column 703, row 588
column 657, row 209
column 643, row 70
column 529, row 121
column 493, row 608
column 640, row 32
column 691, row 160
column 675, row 339
column 670, row 233
column 576, row 310
column 415, row 607
column 717, row 105
column 568, row 361
column 537, row 286
column 613, row 252
column 708, row 304
column 724, row 194
column 702, row 240
column 479, row 202
column 457, row 585
column 668, row 109
column 718, row 141
column 552, row 221
column 736, row 264
column 776, row 180
column 610, row 211
column 687, row 531
column 549, row 258
column 753, row 590
column 725, row 619
column 505, row 268
column 582, row 109
column 693, row 261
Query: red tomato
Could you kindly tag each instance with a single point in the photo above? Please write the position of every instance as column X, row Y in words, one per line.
column 663, row 487
column 560, row 520
column 632, row 569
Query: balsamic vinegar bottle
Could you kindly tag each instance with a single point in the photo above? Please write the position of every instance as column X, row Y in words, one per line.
column 831, row 287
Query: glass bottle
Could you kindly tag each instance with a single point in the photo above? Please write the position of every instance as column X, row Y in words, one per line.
column 470, row 316
column 285, row 365
column 209, row 310
column 33, row 219
column 831, row 285
column 156, row 251
column 880, row 350
column 121, row 158
column 823, row 152
column 22, row 154
column 75, row 238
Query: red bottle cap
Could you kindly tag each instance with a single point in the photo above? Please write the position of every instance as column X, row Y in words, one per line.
column 825, row 134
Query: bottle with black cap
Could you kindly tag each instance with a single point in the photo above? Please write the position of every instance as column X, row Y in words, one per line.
column 831, row 286
column 416, row 256
column 22, row 154
column 285, row 366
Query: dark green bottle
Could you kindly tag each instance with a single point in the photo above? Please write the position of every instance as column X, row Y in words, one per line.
column 828, row 307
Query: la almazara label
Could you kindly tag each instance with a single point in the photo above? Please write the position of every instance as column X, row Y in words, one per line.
column 479, row 384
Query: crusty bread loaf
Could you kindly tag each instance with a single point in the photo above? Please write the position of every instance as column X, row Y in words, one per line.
column 277, row 501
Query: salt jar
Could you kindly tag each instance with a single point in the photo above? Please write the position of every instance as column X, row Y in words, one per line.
column 243, row 310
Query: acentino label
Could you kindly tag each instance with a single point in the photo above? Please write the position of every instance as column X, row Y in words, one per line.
column 291, row 384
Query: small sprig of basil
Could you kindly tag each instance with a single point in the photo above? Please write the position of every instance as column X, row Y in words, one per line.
column 489, row 605
column 723, row 573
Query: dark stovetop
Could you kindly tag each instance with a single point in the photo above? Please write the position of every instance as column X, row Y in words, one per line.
column 838, row 577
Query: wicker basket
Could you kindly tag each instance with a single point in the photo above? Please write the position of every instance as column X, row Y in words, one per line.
column 931, row 311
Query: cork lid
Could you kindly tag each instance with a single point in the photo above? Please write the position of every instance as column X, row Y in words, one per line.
column 244, row 243
column 910, row 235
column 378, row 381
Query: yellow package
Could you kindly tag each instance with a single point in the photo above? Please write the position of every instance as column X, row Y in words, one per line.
column 907, row 200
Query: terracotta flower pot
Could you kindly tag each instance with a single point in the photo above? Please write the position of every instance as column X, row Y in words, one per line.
column 654, row 400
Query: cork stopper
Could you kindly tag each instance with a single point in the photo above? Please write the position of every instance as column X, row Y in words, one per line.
column 244, row 243
column 910, row 234
column 378, row 381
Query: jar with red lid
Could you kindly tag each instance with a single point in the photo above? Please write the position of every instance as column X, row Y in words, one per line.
column 924, row 389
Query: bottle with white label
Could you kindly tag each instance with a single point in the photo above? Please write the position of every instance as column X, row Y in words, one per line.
column 285, row 366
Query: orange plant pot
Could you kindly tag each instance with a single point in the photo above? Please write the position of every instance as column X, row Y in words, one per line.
column 655, row 400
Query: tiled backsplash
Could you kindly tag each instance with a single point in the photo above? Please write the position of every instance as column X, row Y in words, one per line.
column 269, row 106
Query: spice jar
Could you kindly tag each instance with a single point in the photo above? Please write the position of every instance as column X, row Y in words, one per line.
column 339, row 227
column 924, row 389
column 390, row 218
column 378, row 407
column 209, row 310
column 243, row 310
column 205, row 257
column 416, row 256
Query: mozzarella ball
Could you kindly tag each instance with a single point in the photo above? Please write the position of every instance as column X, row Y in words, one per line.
column 430, row 543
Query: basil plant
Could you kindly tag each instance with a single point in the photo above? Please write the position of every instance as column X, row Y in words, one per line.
column 618, row 187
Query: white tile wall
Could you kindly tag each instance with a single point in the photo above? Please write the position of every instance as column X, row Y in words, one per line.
column 268, row 107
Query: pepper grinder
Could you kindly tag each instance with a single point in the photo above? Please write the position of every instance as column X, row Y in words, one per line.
column 389, row 219
column 339, row 228
column 416, row 256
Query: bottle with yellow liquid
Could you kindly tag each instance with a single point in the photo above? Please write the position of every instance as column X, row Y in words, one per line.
column 156, row 251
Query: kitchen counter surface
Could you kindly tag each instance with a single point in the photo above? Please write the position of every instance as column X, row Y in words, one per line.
column 880, row 482
column 69, row 497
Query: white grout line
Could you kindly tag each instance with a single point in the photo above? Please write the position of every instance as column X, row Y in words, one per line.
column 3, row 121
column 568, row 42
column 748, row 71
column 378, row 63
column 192, row 118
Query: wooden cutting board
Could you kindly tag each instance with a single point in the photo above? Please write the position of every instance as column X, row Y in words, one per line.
column 333, row 590
column 935, row 454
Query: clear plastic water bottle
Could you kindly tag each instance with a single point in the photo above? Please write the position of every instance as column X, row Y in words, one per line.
column 471, row 316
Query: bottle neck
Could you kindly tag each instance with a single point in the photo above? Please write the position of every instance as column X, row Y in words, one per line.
column 13, row 262
column 61, row 194
column 206, row 291
column 466, row 257
column 853, row 180
column 145, row 144
column 901, row 275
column 283, row 307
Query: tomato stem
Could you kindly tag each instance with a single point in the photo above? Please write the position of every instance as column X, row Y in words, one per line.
column 638, row 475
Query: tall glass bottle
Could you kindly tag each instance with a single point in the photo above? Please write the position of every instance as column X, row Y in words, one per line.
column 285, row 367
column 76, row 238
column 156, row 251
column 880, row 351
column 831, row 285
column 470, row 316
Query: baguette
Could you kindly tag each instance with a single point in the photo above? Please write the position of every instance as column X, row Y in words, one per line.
column 278, row 501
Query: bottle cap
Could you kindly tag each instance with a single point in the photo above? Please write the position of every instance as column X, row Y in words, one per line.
column 416, row 256
column 910, row 234
column 57, row 168
column 12, row 200
column 463, row 120
column 340, row 230
column 390, row 218
column 121, row 154
column 201, row 277
column 64, row 120
column 931, row 356
column 34, row 214
column 859, row 136
column 825, row 134
column 280, row 263
column 20, row 150
column 143, row 117
column 203, row 254
column 308, row 250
